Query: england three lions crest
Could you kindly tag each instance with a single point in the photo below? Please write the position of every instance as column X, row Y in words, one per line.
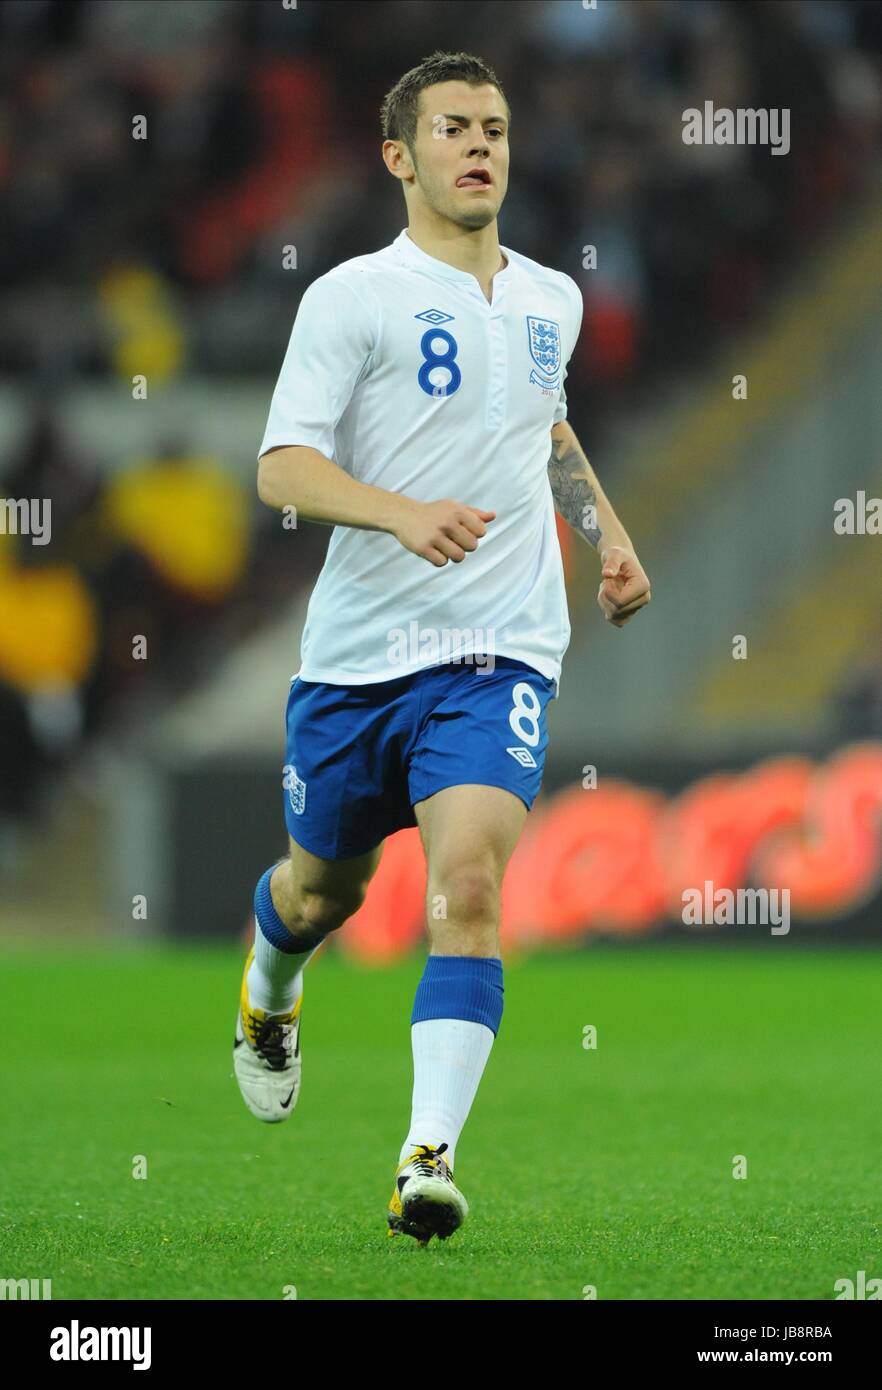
column 545, row 352
column 296, row 789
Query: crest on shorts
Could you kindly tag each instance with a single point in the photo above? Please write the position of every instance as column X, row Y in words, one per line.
column 545, row 351
column 296, row 789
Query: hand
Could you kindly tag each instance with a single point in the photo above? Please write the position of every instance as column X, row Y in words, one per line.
column 440, row 531
column 624, row 587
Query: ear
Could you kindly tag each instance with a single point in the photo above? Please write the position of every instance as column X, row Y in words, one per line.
column 396, row 157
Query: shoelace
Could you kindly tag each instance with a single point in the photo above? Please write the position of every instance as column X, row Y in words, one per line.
column 273, row 1043
column 426, row 1162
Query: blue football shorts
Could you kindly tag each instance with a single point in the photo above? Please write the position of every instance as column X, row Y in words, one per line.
column 360, row 757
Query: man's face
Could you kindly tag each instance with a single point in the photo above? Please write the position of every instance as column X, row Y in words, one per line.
column 461, row 152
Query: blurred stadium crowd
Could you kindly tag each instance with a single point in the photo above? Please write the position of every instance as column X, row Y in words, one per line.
column 164, row 256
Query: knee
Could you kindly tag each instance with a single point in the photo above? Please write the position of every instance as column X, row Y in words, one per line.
column 325, row 912
column 471, row 891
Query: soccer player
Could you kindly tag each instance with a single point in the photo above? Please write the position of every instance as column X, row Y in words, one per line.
column 421, row 412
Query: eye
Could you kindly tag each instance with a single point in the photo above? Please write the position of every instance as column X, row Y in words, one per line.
column 494, row 130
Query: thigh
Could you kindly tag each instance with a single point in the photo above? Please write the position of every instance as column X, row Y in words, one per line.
column 470, row 825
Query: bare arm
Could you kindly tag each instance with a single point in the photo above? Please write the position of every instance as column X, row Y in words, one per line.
column 578, row 496
column 298, row 476
column 581, row 501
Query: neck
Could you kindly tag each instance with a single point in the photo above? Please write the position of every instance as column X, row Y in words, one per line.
column 475, row 250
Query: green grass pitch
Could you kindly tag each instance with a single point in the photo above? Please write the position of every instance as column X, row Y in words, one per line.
column 609, row 1167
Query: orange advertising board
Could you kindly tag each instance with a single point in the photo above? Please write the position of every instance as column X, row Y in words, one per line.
column 618, row 858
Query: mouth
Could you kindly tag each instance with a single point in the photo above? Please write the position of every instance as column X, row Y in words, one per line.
column 475, row 178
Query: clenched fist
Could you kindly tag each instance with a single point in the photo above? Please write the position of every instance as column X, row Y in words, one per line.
column 440, row 531
column 624, row 587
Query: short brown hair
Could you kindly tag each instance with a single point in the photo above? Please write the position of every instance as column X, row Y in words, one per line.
column 401, row 104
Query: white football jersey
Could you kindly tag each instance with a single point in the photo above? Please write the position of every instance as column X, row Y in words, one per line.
column 400, row 371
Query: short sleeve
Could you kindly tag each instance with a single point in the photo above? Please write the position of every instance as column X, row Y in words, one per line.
column 331, row 343
column 560, row 409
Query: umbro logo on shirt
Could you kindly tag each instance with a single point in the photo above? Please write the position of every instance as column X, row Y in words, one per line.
column 434, row 316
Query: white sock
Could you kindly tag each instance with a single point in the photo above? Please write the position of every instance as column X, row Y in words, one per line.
column 449, row 1056
column 275, row 978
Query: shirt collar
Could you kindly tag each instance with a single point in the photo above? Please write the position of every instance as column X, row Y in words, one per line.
column 408, row 251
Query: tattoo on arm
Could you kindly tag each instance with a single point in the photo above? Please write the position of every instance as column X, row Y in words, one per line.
column 574, row 498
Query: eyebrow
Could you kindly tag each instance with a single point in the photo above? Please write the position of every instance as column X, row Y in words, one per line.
column 490, row 120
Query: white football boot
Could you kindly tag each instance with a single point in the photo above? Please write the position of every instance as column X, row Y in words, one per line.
column 266, row 1057
column 425, row 1200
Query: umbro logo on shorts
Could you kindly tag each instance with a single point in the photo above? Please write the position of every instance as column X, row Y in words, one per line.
column 522, row 756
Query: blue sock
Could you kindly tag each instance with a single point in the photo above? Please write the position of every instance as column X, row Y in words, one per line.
column 466, row 987
column 269, row 923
